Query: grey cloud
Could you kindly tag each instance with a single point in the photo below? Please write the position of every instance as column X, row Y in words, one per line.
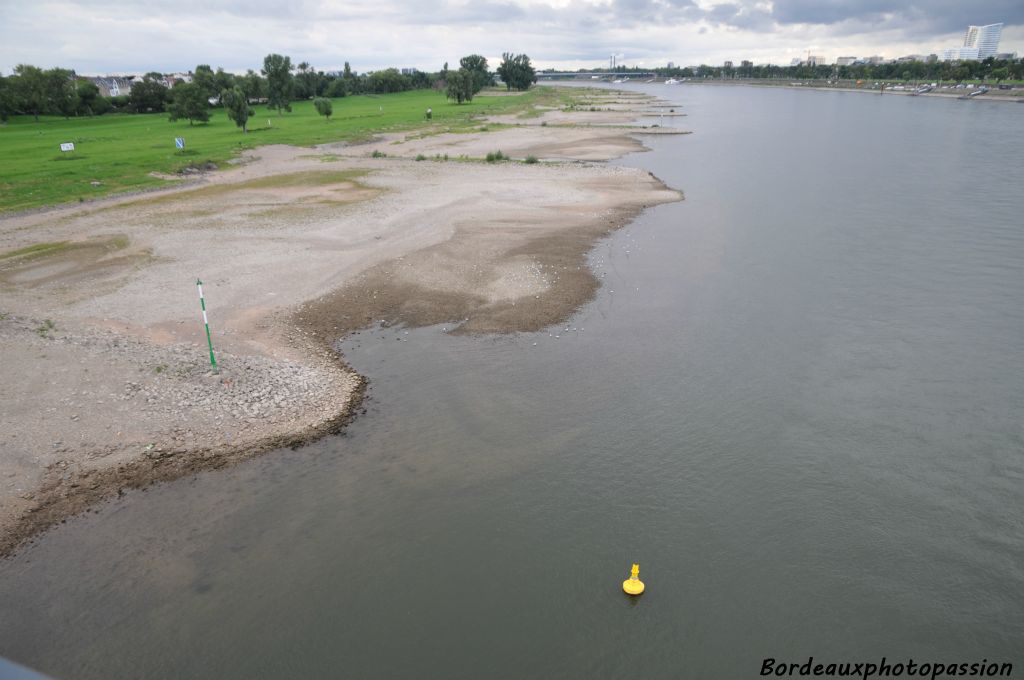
column 917, row 17
column 102, row 35
column 751, row 17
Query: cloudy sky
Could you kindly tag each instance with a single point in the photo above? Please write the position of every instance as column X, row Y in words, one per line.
column 110, row 36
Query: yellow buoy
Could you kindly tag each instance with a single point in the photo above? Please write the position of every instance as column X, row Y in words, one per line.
column 633, row 585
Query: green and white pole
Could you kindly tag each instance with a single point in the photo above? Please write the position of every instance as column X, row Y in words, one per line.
column 209, row 342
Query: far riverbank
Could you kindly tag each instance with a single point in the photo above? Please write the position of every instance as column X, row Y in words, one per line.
column 993, row 94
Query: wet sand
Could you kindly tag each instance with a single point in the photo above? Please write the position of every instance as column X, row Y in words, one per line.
column 106, row 383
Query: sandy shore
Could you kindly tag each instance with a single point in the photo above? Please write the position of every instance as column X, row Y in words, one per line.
column 106, row 383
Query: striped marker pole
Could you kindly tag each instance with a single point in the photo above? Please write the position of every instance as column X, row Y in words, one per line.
column 209, row 342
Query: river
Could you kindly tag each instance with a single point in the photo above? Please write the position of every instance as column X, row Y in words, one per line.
column 797, row 402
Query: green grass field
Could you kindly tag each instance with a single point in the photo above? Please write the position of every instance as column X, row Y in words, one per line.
column 115, row 153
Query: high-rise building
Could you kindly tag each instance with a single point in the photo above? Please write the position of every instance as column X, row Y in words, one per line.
column 845, row 61
column 727, row 64
column 985, row 38
column 980, row 42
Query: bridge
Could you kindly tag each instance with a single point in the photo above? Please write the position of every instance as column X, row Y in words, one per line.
column 597, row 75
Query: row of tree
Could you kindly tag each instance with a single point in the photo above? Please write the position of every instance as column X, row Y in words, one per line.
column 991, row 69
column 34, row 91
column 515, row 71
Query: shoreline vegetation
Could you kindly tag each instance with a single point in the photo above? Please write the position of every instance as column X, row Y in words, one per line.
column 480, row 221
column 915, row 70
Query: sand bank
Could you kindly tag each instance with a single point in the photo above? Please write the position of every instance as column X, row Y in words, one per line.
column 106, row 384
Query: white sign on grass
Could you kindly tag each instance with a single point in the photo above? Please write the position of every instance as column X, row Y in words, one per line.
column 179, row 142
column 67, row 146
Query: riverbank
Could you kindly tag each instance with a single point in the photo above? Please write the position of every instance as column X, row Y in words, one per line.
column 992, row 95
column 108, row 385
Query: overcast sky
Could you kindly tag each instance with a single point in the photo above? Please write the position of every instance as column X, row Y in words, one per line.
column 111, row 36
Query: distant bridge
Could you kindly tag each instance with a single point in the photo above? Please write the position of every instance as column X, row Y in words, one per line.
column 591, row 75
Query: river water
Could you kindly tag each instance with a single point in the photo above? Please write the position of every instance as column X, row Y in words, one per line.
column 797, row 402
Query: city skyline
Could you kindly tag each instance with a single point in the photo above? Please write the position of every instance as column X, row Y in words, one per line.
column 123, row 36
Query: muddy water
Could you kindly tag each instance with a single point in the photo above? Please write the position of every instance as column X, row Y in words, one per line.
column 796, row 402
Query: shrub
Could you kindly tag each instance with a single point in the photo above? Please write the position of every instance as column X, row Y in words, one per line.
column 530, row 160
column 119, row 103
column 44, row 330
column 378, row 154
column 420, row 157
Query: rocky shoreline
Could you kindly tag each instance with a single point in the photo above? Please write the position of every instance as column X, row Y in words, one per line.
column 196, row 419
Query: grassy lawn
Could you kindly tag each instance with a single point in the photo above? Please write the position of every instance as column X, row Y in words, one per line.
column 115, row 153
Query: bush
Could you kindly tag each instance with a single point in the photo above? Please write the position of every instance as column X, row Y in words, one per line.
column 420, row 157
column 101, row 105
column 530, row 160
column 496, row 156
column 378, row 154
column 119, row 103
column 324, row 107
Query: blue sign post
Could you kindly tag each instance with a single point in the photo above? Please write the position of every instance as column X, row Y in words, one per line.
column 179, row 142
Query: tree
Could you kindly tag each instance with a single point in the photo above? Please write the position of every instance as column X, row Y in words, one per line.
column 460, row 86
column 307, row 82
column 350, row 80
column 252, row 85
column 30, row 89
column 516, row 71
column 237, row 106
column 88, row 97
column 387, row 81
column 149, row 95
column 278, row 71
column 189, row 102
column 336, row 88
column 61, row 94
column 7, row 99
column 203, row 78
column 476, row 66
column 223, row 80
column 324, row 107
